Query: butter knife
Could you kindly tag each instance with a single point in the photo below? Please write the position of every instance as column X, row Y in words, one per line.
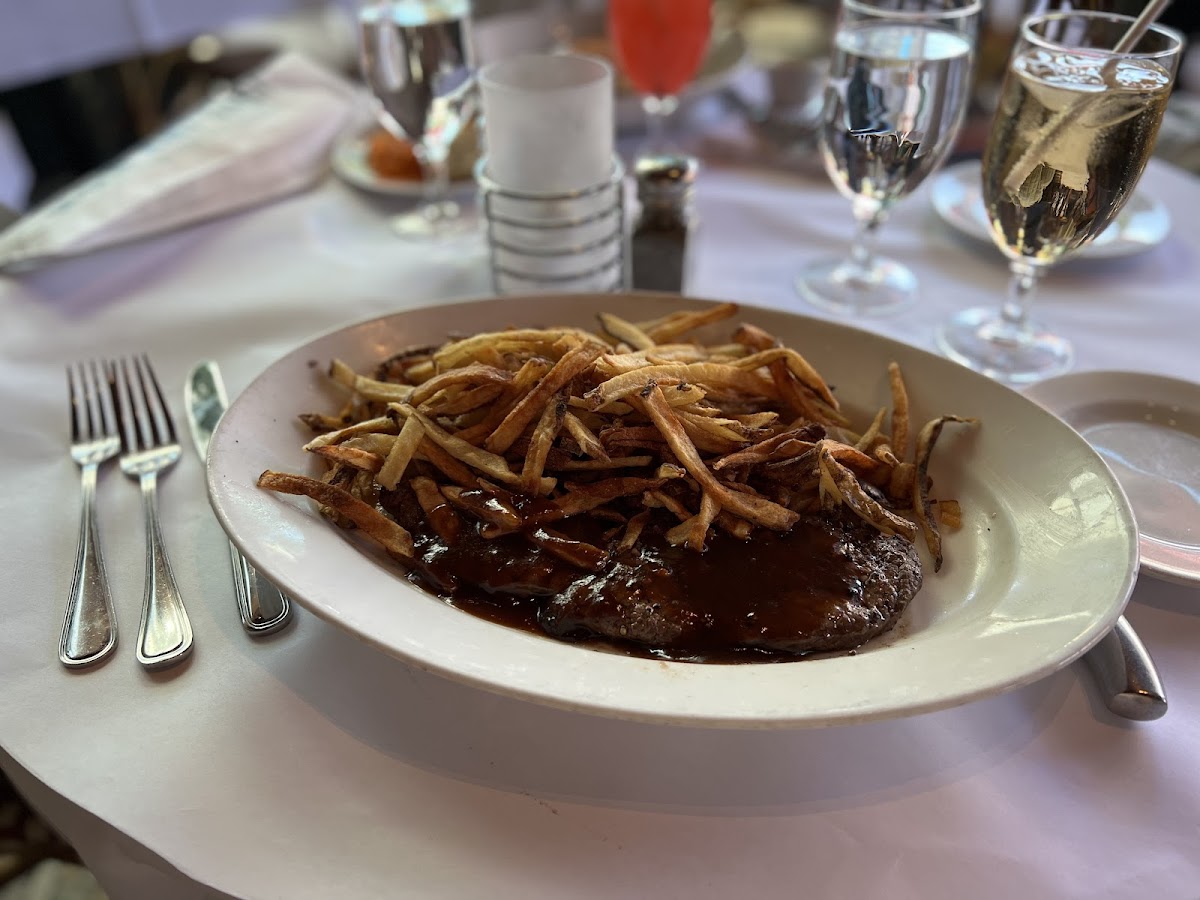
column 1126, row 675
column 263, row 608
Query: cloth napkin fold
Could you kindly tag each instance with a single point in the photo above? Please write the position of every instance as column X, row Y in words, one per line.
column 268, row 135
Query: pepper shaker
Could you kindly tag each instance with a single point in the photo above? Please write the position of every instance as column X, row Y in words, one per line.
column 659, row 245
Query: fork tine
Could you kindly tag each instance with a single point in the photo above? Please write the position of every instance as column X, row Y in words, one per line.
column 91, row 393
column 127, row 411
column 108, row 418
column 163, row 423
column 76, row 404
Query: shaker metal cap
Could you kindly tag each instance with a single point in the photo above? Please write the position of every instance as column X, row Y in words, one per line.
column 666, row 171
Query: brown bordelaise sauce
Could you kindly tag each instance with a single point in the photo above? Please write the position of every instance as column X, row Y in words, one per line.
column 714, row 606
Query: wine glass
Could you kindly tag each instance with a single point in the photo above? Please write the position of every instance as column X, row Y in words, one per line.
column 659, row 45
column 416, row 58
column 1074, row 129
column 897, row 92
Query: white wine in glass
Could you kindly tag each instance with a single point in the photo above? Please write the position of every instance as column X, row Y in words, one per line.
column 898, row 87
column 1072, row 135
column 416, row 59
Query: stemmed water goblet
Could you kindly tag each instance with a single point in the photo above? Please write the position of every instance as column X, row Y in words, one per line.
column 659, row 46
column 1074, row 129
column 898, row 86
column 416, row 59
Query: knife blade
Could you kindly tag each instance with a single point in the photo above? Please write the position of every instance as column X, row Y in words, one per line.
column 262, row 607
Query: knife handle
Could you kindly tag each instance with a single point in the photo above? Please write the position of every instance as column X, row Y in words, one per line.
column 1126, row 675
column 262, row 607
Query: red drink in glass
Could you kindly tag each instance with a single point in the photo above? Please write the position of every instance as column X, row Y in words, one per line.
column 660, row 44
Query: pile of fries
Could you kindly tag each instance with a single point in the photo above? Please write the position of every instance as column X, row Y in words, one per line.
column 619, row 425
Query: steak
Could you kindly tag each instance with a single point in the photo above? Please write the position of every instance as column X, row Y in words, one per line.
column 832, row 582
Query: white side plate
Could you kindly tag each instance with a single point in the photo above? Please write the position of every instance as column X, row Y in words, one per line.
column 957, row 195
column 1147, row 428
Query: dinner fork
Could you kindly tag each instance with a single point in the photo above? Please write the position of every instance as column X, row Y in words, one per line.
column 89, row 632
column 149, row 446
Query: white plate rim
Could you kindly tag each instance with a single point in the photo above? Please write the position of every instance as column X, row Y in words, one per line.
column 952, row 184
column 1069, row 391
column 278, row 536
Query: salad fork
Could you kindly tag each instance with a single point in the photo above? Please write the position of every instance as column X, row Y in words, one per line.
column 89, row 632
column 149, row 446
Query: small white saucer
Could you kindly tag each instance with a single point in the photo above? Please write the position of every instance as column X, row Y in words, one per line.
column 349, row 162
column 1147, row 428
column 957, row 194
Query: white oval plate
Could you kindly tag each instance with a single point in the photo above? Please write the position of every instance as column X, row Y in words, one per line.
column 1147, row 428
column 957, row 195
column 1040, row 571
column 349, row 162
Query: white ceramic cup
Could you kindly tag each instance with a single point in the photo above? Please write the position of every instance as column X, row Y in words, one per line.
column 548, row 122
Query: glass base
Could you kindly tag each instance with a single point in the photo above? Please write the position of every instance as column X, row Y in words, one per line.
column 982, row 340
column 842, row 286
column 433, row 221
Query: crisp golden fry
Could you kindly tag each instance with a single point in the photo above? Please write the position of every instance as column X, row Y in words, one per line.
column 841, row 481
column 925, row 443
column 596, row 494
column 625, row 331
column 383, row 424
column 529, row 340
column 319, row 423
column 531, row 405
column 587, row 440
column 797, row 365
column 368, row 388
column 577, row 553
column 363, row 460
column 475, row 457
column 544, row 434
column 370, row 521
column 663, row 500
column 900, row 422
column 446, row 464
column 485, row 507
column 676, row 325
column 475, row 374
column 758, row 510
column 786, row 445
column 639, row 418
column 438, row 512
column 600, row 465
column 401, row 454
column 714, row 376
column 867, row 441
column 633, row 530
column 949, row 513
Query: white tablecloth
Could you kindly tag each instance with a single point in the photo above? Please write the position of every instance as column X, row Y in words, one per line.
column 308, row 765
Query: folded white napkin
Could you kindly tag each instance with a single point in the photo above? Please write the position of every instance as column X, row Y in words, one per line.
column 267, row 136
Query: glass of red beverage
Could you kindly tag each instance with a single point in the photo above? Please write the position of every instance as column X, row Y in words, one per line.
column 659, row 45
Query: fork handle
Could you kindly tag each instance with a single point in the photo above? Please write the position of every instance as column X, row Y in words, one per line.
column 165, row 633
column 89, row 632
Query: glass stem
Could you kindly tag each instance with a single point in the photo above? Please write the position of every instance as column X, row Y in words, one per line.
column 1021, row 289
column 435, row 168
column 867, row 219
column 658, row 111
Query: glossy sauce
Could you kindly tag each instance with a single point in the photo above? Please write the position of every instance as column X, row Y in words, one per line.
column 772, row 597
